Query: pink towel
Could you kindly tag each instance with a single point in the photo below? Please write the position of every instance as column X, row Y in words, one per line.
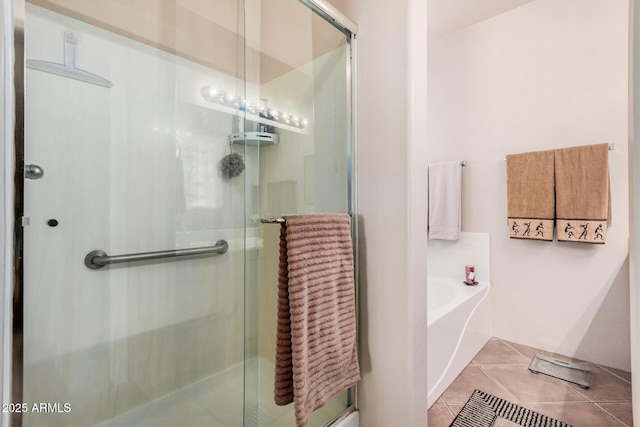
column 316, row 354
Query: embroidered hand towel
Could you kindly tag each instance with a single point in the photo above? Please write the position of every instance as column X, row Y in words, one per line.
column 583, row 205
column 445, row 195
column 316, row 353
column 530, row 195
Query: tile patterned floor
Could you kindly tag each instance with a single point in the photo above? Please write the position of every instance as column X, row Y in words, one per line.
column 500, row 368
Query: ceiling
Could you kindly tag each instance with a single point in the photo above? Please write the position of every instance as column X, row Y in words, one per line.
column 225, row 34
column 447, row 16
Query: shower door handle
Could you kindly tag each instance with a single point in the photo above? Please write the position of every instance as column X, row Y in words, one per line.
column 33, row 172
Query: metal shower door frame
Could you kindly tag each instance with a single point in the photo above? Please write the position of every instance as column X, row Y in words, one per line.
column 350, row 29
column 13, row 76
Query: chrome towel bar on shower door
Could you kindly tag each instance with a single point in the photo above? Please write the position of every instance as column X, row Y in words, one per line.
column 97, row 259
column 273, row 220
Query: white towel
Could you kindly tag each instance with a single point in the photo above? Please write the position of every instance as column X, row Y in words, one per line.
column 445, row 200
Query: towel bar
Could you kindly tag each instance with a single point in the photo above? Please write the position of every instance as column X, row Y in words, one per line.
column 280, row 220
column 97, row 259
column 272, row 220
column 612, row 147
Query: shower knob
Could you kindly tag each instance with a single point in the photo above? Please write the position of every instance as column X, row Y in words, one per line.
column 33, row 172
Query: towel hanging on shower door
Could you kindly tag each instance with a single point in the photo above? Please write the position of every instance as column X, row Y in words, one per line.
column 316, row 348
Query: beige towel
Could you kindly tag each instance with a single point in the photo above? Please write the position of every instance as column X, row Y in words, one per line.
column 583, row 197
column 316, row 353
column 530, row 195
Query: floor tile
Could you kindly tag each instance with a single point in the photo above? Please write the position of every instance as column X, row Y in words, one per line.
column 622, row 374
column 471, row 378
column 530, row 352
column 578, row 414
column 526, row 351
column 502, row 422
column 622, row 411
column 497, row 352
column 605, row 387
column 529, row 387
column 456, row 408
column 439, row 416
column 501, row 369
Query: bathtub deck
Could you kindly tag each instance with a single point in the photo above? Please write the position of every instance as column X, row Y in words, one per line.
column 500, row 368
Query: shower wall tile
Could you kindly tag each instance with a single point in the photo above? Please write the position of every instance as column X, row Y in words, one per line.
column 221, row 395
column 305, row 173
column 330, row 132
column 268, row 292
column 128, row 169
column 128, row 396
column 252, row 304
column 316, row 91
column 158, row 363
column 69, row 380
column 309, row 174
column 134, row 141
column 281, row 198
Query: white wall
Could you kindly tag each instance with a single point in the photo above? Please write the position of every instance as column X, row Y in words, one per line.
column 417, row 208
column 548, row 74
column 634, row 200
column 391, row 92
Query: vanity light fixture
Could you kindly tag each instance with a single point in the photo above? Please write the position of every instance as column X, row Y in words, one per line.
column 216, row 96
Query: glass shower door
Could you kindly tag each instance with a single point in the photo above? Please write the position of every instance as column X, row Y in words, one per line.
column 133, row 111
column 298, row 86
column 122, row 155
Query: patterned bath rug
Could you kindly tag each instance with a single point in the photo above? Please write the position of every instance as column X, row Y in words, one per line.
column 485, row 410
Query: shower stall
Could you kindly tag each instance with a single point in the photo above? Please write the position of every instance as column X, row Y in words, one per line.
column 146, row 145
